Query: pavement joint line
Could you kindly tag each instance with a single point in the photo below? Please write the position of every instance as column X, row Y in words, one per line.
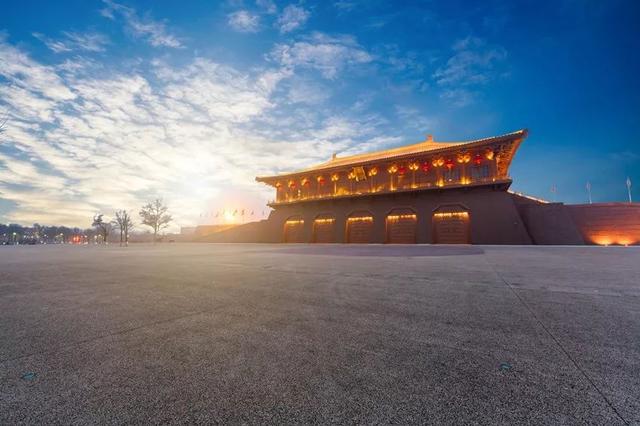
column 557, row 342
column 103, row 336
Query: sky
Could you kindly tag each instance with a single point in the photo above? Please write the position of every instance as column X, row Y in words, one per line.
column 109, row 105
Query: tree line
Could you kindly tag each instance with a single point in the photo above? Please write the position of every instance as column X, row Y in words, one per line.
column 154, row 215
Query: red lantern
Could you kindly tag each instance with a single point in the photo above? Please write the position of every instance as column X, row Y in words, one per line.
column 402, row 170
column 321, row 181
column 426, row 167
column 449, row 163
column 477, row 159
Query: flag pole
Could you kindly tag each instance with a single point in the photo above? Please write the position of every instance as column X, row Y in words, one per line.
column 629, row 188
column 589, row 192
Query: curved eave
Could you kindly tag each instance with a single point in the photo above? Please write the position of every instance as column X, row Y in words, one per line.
column 365, row 159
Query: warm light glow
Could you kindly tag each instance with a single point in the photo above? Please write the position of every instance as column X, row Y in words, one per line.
column 294, row 222
column 360, row 219
column 449, row 215
column 438, row 162
column 413, row 166
column 607, row 240
column 463, row 158
column 228, row 216
column 392, row 169
column 327, row 220
column 401, row 216
column 373, row 171
column 334, row 177
column 489, row 154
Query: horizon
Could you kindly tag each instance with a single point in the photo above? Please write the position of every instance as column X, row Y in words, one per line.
column 109, row 105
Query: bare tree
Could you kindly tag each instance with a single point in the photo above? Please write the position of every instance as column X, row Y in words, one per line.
column 124, row 223
column 155, row 215
column 102, row 227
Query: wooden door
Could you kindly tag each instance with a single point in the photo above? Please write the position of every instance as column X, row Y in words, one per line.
column 451, row 227
column 401, row 228
column 324, row 230
column 359, row 229
column 294, row 231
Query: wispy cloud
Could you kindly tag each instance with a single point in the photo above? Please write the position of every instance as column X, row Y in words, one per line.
column 244, row 21
column 155, row 32
column 90, row 42
column 473, row 62
column 81, row 142
column 327, row 54
column 293, row 17
column 267, row 5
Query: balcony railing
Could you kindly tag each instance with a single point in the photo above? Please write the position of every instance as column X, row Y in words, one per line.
column 347, row 192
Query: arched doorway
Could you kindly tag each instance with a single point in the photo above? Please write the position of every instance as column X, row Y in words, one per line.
column 401, row 226
column 451, row 225
column 294, row 230
column 359, row 227
column 324, row 228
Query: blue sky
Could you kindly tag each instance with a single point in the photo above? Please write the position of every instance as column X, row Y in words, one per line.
column 110, row 104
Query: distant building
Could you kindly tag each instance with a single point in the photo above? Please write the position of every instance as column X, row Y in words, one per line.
column 429, row 192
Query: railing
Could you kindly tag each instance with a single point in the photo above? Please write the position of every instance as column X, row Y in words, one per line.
column 343, row 192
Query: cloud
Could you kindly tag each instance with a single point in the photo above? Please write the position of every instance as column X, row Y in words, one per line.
column 458, row 97
column 326, row 54
column 414, row 118
column 344, row 5
column 154, row 32
column 244, row 21
column 90, row 42
column 267, row 5
column 307, row 92
column 473, row 62
column 79, row 142
column 292, row 18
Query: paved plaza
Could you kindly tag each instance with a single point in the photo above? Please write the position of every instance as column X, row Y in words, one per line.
column 205, row 333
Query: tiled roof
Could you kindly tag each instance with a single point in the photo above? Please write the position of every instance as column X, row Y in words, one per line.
column 428, row 146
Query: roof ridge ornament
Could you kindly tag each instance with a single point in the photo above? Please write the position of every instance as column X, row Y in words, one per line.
column 334, row 156
column 429, row 138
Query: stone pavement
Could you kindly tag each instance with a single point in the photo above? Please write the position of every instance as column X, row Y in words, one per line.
column 204, row 333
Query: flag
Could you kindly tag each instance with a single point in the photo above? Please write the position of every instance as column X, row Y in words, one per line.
column 242, row 212
column 628, row 182
column 235, row 212
column 251, row 212
column 588, row 186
